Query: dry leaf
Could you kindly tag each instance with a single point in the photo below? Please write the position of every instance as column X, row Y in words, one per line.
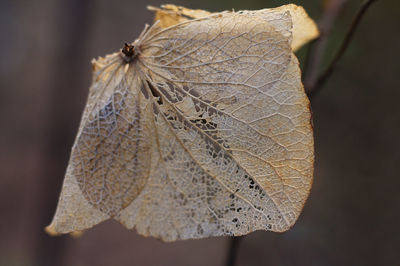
column 169, row 15
column 303, row 29
column 194, row 130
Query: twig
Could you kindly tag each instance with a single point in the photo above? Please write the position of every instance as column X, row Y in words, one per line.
column 232, row 251
column 317, row 49
column 328, row 72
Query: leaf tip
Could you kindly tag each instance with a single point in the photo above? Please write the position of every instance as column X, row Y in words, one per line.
column 51, row 230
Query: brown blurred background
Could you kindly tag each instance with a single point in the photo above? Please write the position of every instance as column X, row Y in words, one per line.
column 351, row 218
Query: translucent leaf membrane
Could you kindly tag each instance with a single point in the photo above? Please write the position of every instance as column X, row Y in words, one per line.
column 303, row 30
column 205, row 132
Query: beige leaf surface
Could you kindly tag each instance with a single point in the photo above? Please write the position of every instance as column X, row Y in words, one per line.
column 203, row 129
column 170, row 15
column 303, row 28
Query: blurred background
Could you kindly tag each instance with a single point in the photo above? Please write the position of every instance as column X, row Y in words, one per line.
column 352, row 216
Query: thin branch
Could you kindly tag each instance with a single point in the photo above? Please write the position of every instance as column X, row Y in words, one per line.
column 317, row 48
column 343, row 47
column 349, row 36
column 233, row 249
